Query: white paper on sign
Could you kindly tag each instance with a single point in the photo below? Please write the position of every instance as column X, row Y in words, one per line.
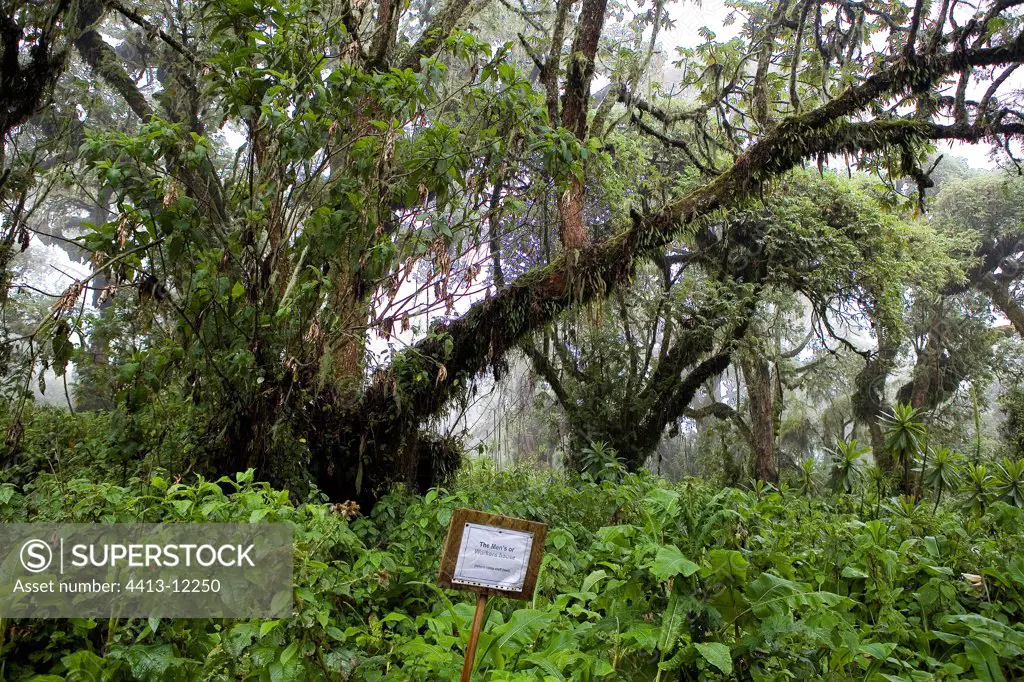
column 493, row 557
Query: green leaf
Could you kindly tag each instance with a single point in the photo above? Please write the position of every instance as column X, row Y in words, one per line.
column 644, row 635
column 671, row 623
column 770, row 594
column 268, row 626
column 591, row 580
column 879, row 650
column 83, row 662
column 717, row 654
column 727, row 563
column 154, row 661
column 984, row 661
column 541, row 661
column 127, row 372
column 289, row 653
column 854, row 572
column 523, row 622
column 670, row 562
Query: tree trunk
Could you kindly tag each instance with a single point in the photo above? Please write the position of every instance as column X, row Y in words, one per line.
column 869, row 398
column 927, row 368
column 575, row 107
column 580, row 70
column 570, row 213
column 757, row 374
column 349, row 345
column 1001, row 299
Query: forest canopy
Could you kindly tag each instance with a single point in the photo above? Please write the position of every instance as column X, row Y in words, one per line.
column 298, row 236
column 735, row 310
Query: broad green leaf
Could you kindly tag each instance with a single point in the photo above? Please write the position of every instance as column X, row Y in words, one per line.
column 670, row 562
column 523, row 623
column 644, row 635
column 671, row 623
column 546, row 665
column 880, row 650
column 984, row 661
column 268, row 626
column 727, row 563
column 155, row 662
column 591, row 580
column 289, row 653
column 854, row 572
column 717, row 654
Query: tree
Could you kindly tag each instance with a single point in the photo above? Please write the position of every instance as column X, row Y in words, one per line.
column 981, row 211
column 35, row 42
column 635, row 367
column 953, row 339
column 364, row 192
column 624, row 379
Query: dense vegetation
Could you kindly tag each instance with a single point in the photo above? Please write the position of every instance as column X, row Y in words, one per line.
column 320, row 221
column 641, row 580
column 723, row 310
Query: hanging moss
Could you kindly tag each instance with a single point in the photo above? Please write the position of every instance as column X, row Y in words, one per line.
column 390, row 411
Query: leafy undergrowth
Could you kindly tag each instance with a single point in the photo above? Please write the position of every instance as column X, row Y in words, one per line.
column 640, row 581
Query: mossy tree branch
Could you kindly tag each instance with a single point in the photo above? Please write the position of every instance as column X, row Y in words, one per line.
column 392, row 407
column 493, row 326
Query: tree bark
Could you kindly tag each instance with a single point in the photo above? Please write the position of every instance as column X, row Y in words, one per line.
column 999, row 293
column 757, row 375
column 575, row 107
column 580, row 70
column 466, row 346
column 869, row 397
column 570, row 212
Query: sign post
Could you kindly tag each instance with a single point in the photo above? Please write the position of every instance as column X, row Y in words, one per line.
column 490, row 555
column 474, row 637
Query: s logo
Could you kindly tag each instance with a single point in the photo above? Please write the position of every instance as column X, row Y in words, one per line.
column 36, row 556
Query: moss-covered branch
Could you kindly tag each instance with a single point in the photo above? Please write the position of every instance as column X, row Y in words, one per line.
column 464, row 347
column 435, row 35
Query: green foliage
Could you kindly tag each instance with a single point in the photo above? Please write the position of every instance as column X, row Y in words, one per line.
column 600, row 461
column 904, row 431
column 805, row 480
column 943, row 472
column 640, row 581
column 905, row 435
column 846, row 465
column 1009, row 484
column 978, row 484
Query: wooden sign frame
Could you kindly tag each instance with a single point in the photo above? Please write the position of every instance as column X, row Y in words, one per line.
column 450, row 554
column 461, row 518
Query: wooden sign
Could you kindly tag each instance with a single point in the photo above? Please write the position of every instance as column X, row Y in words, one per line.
column 490, row 555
